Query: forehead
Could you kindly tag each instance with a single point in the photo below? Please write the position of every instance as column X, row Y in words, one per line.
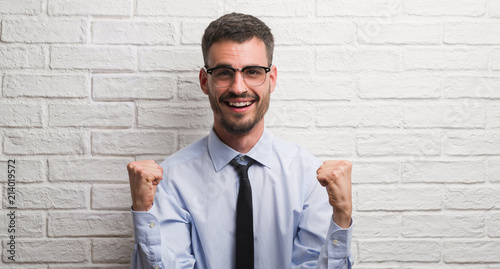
column 227, row 52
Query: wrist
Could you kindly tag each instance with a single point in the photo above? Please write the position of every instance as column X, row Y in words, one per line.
column 342, row 219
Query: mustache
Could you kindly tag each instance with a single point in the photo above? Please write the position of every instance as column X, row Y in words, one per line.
column 229, row 95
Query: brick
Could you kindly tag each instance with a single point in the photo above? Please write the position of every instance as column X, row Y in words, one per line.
column 50, row 250
column 173, row 8
column 358, row 116
column 493, row 116
column 348, row 59
column 475, row 143
column 44, row 142
column 495, row 60
column 494, row 8
column 411, row 143
column 94, row 266
column 390, row 198
column 111, row 197
column 21, row 115
column 375, row 172
column 62, row 224
column 493, row 225
column 160, row 59
column 471, row 251
column 44, row 31
column 137, row 32
column 445, row 7
column 445, row 59
column 471, row 87
column 92, row 115
column 471, row 198
column 461, row 115
column 27, row 224
column 288, row 59
column 23, row 266
column 45, row 85
column 189, row 88
column 50, row 197
column 90, row 7
column 399, row 33
column 133, row 142
column 289, row 114
column 93, row 57
column 450, row 225
column 443, row 172
column 363, row 8
column 21, row 57
column 112, row 249
column 399, row 251
column 192, row 31
column 399, row 86
column 161, row 115
column 25, row 7
column 494, row 170
column 312, row 32
column 89, row 169
column 370, row 225
column 130, row 87
column 26, row 170
column 471, row 33
column 277, row 8
column 321, row 143
column 314, row 87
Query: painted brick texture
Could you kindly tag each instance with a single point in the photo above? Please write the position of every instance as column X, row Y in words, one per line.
column 408, row 90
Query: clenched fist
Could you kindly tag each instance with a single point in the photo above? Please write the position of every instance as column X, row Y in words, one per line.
column 144, row 177
column 336, row 177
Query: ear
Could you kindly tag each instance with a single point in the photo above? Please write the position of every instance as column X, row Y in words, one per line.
column 273, row 77
column 203, row 76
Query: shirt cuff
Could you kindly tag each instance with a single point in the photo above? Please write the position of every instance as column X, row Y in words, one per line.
column 339, row 245
column 146, row 228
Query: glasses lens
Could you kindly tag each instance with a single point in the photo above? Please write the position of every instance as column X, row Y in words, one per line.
column 254, row 76
column 223, row 77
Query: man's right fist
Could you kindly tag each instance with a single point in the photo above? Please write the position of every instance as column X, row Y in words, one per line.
column 144, row 177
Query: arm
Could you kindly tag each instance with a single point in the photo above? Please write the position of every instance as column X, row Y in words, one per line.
column 153, row 220
column 320, row 242
column 335, row 176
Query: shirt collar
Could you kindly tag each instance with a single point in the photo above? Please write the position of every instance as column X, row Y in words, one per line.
column 221, row 154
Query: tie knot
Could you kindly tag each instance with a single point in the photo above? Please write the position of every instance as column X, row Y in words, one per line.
column 241, row 168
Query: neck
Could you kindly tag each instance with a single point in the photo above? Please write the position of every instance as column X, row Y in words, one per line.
column 242, row 143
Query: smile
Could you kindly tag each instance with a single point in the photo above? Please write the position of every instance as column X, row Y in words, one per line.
column 240, row 104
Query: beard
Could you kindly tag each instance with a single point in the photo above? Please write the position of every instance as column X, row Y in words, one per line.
column 239, row 124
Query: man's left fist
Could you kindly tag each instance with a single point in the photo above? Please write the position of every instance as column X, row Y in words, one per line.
column 336, row 177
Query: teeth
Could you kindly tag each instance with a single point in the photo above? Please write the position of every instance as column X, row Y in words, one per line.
column 240, row 104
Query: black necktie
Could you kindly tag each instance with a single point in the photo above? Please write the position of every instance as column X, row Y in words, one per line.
column 244, row 219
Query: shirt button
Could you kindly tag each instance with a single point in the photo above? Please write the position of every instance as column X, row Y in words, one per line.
column 335, row 242
column 152, row 225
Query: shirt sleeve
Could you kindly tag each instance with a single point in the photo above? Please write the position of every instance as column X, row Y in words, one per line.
column 320, row 243
column 336, row 251
column 164, row 222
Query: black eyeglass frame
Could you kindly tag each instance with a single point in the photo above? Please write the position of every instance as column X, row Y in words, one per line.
column 266, row 69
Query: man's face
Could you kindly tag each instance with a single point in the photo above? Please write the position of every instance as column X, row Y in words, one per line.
column 239, row 107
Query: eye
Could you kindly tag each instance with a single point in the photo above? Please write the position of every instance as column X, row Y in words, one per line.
column 223, row 73
column 254, row 71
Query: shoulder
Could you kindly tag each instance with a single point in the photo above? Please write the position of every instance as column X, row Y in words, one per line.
column 287, row 149
column 187, row 153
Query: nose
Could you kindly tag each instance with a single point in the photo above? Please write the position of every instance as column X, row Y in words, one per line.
column 239, row 85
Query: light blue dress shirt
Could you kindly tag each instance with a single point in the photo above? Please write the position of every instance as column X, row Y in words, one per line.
column 193, row 218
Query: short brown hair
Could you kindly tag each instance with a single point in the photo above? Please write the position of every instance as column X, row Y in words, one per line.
column 239, row 28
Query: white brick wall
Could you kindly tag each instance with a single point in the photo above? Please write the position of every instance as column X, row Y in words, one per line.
column 408, row 90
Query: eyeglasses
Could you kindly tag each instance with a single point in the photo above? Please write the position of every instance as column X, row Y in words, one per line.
column 252, row 75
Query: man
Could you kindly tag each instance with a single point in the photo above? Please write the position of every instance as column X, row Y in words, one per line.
column 208, row 211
